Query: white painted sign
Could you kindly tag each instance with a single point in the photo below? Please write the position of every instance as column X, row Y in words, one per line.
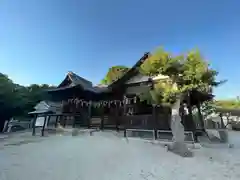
column 39, row 121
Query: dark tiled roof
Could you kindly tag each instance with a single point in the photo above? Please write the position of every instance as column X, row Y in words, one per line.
column 79, row 80
column 52, row 107
column 53, row 104
column 75, row 80
column 40, row 112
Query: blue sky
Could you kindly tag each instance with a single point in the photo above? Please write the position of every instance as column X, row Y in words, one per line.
column 40, row 40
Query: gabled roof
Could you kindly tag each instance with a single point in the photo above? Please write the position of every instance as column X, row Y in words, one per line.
column 131, row 72
column 41, row 105
column 54, row 106
column 47, row 107
column 73, row 79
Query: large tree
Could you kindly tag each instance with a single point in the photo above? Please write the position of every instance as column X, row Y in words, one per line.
column 187, row 73
column 17, row 100
column 8, row 99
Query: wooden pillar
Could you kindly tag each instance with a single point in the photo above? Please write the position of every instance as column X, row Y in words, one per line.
column 34, row 125
column 56, row 122
column 102, row 118
column 74, row 121
column 201, row 120
column 155, row 120
column 102, row 123
column 117, row 118
column 65, row 121
column 125, row 132
column 44, row 124
column 124, row 105
column 48, row 120
column 89, row 113
column 74, row 116
column 126, row 125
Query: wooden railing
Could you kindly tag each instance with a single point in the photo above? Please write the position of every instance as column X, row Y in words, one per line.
column 146, row 121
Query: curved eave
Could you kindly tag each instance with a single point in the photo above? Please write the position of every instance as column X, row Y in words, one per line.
column 89, row 89
column 40, row 112
column 62, row 88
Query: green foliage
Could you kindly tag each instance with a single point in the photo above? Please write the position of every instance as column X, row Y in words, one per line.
column 16, row 100
column 211, row 107
column 186, row 73
column 208, row 108
column 162, row 62
column 228, row 104
column 114, row 73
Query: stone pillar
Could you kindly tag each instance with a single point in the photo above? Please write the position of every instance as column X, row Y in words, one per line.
column 178, row 146
column 5, row 126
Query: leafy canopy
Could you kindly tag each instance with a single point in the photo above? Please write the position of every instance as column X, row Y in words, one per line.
column 17, row 100
column 114, row 73
column 186, row 73
column 228, row 103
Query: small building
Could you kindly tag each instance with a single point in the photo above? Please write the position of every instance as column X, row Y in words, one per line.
column 224, row 118
column 43, row 108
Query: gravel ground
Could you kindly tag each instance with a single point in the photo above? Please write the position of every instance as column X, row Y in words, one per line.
column 105, row 156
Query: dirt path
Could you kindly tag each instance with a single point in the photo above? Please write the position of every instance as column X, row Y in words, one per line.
column 105, row 157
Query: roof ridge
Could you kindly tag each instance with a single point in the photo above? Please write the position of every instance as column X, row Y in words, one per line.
column 71, row 74
column 137, row 64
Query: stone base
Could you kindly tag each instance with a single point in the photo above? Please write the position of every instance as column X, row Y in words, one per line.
column 218, row 135
column 223, row 136
column 60, row 130
column 75, row 132
column 180, row 149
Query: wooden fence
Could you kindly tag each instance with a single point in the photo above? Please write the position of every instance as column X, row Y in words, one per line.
column 146, row 121
column 160, row 120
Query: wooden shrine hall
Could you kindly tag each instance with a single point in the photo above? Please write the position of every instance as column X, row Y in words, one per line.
column 114, row 106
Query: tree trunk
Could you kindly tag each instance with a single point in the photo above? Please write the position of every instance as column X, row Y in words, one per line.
column 200, row 116
column 222, row 123
column 178, row 146
column 189, row 107
column 190, row 119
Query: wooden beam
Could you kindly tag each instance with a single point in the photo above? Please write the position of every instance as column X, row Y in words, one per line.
column 34, row 125
column 56, row 122
column 89, row 114
column 48, row 120
column 102, row 118
column 44, row 124
column 155, row 121
column 65, row 121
